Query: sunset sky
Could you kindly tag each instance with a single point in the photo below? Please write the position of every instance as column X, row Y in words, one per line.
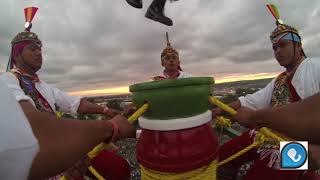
column 125, row 89
column 100, row 47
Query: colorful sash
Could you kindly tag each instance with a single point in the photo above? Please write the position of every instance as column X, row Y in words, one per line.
column 27, row 84
column 283, row 94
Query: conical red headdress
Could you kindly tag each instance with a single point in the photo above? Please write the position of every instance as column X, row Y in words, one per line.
column 29, row 13
column 26, row 35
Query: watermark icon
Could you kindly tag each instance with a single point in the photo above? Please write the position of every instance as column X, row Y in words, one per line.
column 294, row 155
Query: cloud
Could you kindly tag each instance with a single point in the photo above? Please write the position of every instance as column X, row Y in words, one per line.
column 104, row 44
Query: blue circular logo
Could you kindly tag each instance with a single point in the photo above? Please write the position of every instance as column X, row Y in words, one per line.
column 293, row 155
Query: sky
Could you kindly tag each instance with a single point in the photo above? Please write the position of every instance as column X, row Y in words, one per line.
column 102, row 46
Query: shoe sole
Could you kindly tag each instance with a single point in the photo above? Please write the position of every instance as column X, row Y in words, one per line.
column 138, row 6
column 156, row 19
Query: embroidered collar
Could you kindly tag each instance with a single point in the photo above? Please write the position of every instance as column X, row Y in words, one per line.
column 34, row 77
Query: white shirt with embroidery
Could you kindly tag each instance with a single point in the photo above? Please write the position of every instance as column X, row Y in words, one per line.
column 306, row 82
column 65, row 102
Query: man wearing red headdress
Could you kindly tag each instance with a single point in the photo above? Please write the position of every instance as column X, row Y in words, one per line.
column 27, row 87
column 300, row 80
column 171, row 63
column 175, row 149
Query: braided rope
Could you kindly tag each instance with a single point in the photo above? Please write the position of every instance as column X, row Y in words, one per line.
column 260, row 139
column 205, row 172
column 95, row 173
column 96, row 150
column 264, row 134
column 267, row 132
column 224, row 122
column 221, row 105
column 138, row 113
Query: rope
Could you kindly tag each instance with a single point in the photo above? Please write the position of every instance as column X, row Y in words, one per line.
column 223, row 122
column 262, row 135
column 221, row 105
column 63, row 178
column 267, row 132
column 260, row 140
column 205, row 172
column 95, row 173
column 138, row 113
column 228, row 109
column 96, row 150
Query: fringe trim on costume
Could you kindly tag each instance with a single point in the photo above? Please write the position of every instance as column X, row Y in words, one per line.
column 274, row 155
column 252, row 134
column 56, row 177
column 268, row 150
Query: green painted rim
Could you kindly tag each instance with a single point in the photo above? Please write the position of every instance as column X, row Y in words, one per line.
column 174, row 98
column 171, row 83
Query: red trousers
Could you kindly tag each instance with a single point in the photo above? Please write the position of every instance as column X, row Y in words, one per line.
column 111, row 166
column 259, row 169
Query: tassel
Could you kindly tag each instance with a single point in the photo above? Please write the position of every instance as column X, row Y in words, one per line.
column 9, row 65
column 167, row 37
column 252, row 134
column 274, row 11
column 29, row 13
column 275, row 156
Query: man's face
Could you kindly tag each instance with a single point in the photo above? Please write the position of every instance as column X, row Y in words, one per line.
column 32, row 56
column 170, row 61
column 284, row 52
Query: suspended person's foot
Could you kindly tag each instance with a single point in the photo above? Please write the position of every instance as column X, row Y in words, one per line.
column 155, row 12
column 135, row 3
